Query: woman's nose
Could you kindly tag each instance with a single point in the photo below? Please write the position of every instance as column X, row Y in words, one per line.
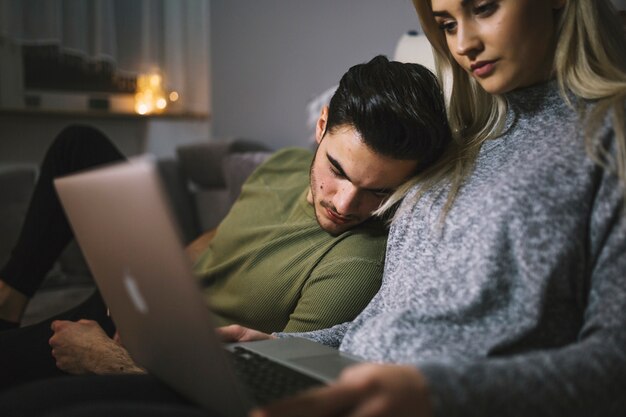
column 468, row 41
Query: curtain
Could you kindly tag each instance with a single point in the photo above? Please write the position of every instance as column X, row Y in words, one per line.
column 134, row 36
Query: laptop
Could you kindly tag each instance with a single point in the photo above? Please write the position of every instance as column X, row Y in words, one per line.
column 124, row 225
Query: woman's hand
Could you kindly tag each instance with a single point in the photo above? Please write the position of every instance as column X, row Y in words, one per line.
column 236, row 333
column 365, row 390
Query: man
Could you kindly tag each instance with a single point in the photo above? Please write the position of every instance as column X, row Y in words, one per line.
column 297, row 252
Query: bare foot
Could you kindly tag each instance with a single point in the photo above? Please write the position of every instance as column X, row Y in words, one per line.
column 12, row 303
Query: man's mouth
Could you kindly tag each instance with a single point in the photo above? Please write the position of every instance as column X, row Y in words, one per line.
column 335, row 217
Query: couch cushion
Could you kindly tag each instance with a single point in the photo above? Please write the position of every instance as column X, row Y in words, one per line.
column 212, row 206
column 237, row 168
column 202, row 162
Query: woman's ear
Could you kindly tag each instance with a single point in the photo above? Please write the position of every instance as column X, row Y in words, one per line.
column 320, row 126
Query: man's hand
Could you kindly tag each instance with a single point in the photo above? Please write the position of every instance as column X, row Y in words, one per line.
column 236, row 333
column 82, row 347
column 365, row 390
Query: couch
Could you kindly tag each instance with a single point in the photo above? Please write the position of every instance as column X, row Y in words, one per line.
column 202, row 181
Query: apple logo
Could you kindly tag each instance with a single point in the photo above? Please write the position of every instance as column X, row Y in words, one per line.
column 133, row 291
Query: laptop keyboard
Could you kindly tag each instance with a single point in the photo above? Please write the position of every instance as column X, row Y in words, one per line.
column 267, row 380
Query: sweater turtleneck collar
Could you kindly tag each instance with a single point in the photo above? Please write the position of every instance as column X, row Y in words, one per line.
column 535, row 99
column 528, row 102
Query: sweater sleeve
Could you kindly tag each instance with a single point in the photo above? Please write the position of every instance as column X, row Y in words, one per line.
column 585, row 378
column 336, row 292
column 330, row 337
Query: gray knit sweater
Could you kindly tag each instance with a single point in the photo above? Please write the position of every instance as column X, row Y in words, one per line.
column 517, row 306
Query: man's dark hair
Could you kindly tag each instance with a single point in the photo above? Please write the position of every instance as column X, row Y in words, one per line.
column 397, row 108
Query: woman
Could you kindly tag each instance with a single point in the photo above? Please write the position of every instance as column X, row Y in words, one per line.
column 504, row 287
column 503, row 291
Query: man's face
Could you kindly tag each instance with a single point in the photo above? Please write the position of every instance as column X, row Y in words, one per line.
column 349, row 180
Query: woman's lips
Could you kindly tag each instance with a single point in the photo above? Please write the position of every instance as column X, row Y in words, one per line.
column 483, row 68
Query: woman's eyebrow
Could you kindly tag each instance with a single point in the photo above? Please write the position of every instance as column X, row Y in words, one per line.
column 464, row 3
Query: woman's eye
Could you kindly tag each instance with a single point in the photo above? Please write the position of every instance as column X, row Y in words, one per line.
column 485, row 9
column 447, row 26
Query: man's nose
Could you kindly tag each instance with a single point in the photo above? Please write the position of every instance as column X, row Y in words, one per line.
column 346, row 200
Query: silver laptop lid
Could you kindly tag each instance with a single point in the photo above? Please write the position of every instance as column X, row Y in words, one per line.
column 130, row 240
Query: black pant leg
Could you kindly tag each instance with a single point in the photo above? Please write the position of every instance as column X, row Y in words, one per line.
column 46, row 231
column 25, row 354
column 132, row 409
column 95, row 395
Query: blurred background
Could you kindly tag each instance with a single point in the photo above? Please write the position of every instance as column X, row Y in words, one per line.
column 201, row 84
column 210, row 87
column 236, row 68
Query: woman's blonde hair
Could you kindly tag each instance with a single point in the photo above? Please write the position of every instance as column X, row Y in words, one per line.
column 589, row 62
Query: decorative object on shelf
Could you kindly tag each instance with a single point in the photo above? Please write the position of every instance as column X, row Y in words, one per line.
column 151, row 96
column 48, row 67
column 85, row 55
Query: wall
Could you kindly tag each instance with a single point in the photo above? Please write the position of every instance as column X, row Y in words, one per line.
column 270, row 57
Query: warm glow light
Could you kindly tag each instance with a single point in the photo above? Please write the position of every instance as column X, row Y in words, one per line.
column 173, row 96
column 161, row 103
column 155, row 81
column 150, row 96
column 141, row 108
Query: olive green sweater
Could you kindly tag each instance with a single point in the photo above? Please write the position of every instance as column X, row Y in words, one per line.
column 271, row 267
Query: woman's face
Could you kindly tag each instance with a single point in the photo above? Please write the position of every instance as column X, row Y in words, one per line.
column 503, row 44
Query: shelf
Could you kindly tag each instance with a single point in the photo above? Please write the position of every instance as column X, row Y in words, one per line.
column 104, row 114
